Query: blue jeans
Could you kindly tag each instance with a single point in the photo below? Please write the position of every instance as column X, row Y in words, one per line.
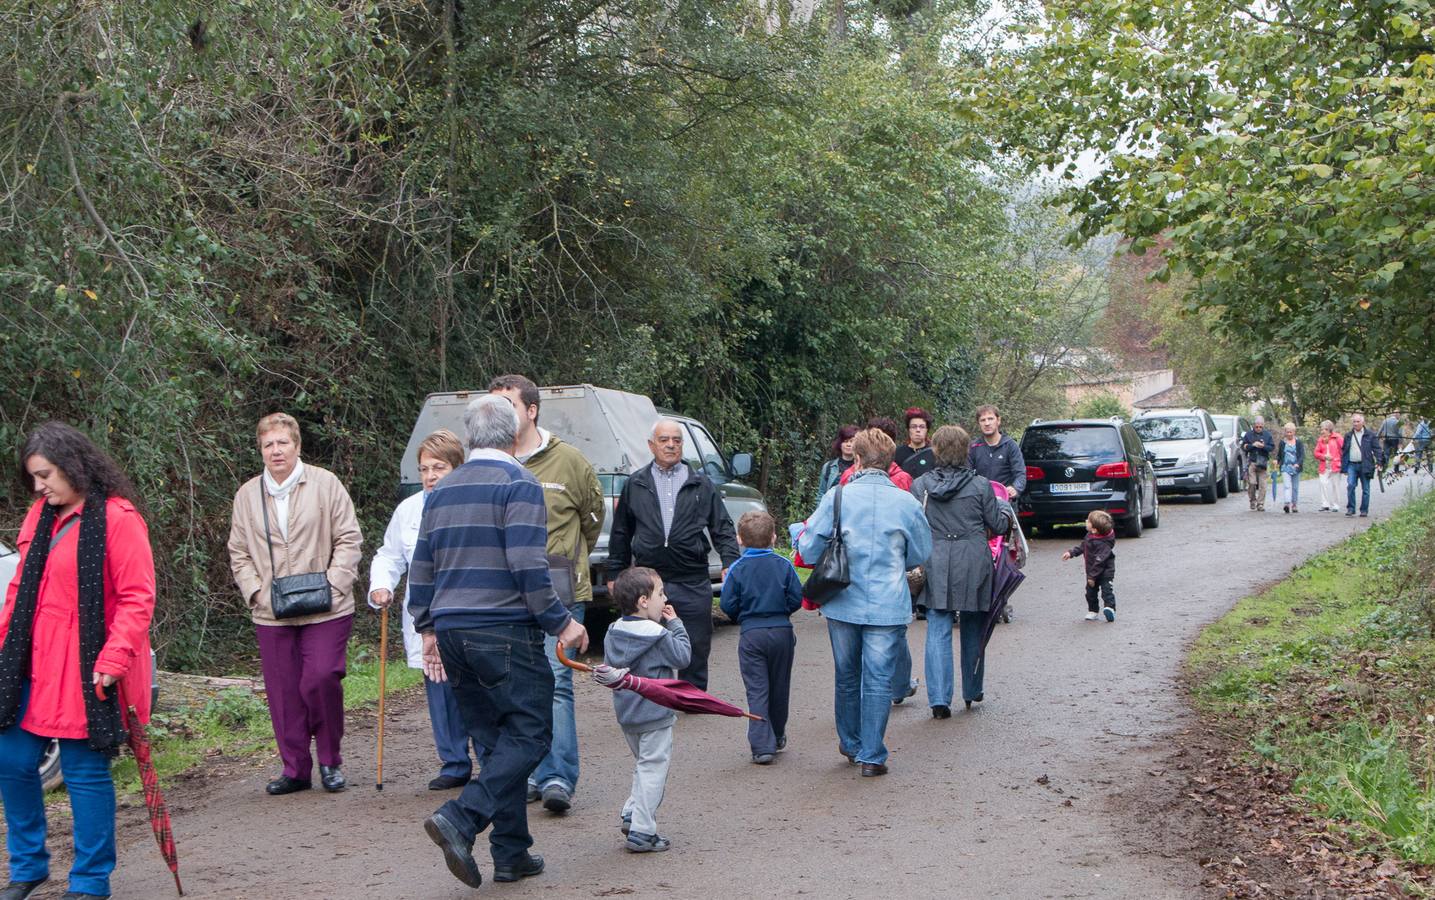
column 902, row 680
column 1291, row 482
column 561, row 763
column 504, row 689
column 92, row 803
column 864, row 659
column 939, row 655
column 1352, row 476
column 449, row 737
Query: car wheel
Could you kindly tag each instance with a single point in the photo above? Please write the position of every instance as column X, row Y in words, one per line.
column 1132, row 526
column 1208, row 493
column 1154, row 519
column 50, row 775
column 1223, row 486
column 1233, row 481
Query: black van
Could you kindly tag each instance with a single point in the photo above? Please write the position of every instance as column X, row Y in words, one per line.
column 1074, row 466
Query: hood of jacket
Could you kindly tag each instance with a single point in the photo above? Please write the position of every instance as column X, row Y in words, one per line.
column 627, row 639
column 945, row 483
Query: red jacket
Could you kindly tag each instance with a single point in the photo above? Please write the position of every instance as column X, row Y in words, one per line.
column 1327, row 453
column 895, row 472
column 57, row 706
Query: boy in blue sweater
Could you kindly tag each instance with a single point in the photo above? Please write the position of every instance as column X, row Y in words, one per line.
column 761, row 593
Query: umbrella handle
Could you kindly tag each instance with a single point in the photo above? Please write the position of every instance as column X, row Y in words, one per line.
column 575, row 666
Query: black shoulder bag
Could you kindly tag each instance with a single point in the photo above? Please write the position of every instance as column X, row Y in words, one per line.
column 829, row 574
column 294, row 595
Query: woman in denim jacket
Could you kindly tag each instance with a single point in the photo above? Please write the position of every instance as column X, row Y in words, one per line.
column 885, row 534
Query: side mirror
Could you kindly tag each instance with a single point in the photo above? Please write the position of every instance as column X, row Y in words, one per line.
column 1150, row 457
column 742, row 464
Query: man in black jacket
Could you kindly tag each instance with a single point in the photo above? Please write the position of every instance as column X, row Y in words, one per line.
column 667, row 518
column 997, row 457
column 1361, row 458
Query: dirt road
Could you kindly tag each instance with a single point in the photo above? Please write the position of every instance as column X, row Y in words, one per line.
column 1025, row 797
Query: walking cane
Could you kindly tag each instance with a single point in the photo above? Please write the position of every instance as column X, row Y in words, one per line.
column 383, row 675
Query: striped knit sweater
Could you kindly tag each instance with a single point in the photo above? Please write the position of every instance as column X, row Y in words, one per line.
column 480, row 559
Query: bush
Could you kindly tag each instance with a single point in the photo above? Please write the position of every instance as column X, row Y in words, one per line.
column 1101, row 406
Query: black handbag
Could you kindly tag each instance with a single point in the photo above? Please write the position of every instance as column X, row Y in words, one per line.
column 293, row 596
column 829, row 574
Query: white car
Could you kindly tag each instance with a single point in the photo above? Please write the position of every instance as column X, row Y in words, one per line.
column 9, row 564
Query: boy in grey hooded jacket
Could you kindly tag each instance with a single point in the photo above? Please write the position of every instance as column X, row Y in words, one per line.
column 649, row 641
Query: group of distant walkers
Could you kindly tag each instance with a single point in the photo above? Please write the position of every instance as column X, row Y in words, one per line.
column 1360, row 454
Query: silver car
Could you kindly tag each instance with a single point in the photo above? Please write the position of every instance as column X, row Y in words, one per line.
column 1233, row 428
column 1190, row 454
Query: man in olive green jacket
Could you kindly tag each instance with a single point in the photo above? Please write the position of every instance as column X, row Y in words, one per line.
column 574, row 500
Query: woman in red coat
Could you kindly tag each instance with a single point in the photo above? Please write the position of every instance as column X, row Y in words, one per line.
column 75, row 618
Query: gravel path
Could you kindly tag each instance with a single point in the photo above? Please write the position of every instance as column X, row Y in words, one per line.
column 1023, row 797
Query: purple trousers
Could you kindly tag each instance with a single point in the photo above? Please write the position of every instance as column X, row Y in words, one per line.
column 303, row 676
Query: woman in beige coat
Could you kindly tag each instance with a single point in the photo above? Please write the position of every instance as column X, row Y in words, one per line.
column 297, row 519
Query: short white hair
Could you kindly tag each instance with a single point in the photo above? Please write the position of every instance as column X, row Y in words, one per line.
column 1260, row 420
column 491, row 423
column 665, row 421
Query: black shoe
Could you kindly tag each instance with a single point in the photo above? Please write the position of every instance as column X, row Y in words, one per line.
column 911, row 692
column 872, row 770
column 286, row 785
column 782, row 743
column 1350, row 513
column 76, row 895
column 851, row 757
column 1364, row 515
column 19, row 890
column 531, row 865
column 557, row 798
column 332, row 779
column 941, row 712
column 457, row 854
column 1286, row 508
column 968, row 703
column 447, row 783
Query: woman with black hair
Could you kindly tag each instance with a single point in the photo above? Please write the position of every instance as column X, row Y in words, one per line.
column 74, row 629
column 839, row 461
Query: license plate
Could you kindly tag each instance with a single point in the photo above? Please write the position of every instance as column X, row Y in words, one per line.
column 1076, row 487
column 1165, row 482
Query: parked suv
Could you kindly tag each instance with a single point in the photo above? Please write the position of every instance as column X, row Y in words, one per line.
column 610, row 428
column 1190, row 453
column 1074, row 466
column 1232, row 429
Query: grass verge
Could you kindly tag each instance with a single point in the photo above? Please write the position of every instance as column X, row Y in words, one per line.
column 235, row 722
column 1330, row 676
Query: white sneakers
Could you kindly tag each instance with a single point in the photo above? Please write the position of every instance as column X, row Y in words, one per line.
column 1092, row 617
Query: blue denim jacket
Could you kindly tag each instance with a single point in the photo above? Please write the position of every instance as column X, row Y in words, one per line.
column 886, row 534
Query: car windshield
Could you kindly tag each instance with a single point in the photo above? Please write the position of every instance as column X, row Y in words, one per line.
column 1169, row 428
column 1071, row 442
column 1227, row 424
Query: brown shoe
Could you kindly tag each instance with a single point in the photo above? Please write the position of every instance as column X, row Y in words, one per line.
column 872, row 770
column 851, row 757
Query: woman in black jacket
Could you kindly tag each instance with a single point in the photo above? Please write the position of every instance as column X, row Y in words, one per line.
column 963, row 512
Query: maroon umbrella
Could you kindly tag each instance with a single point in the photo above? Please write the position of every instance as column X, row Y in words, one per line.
column 153, row 799
column 670, row 692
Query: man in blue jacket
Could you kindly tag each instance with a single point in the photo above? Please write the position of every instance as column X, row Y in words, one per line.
column 995, row 456
column 1360, row 458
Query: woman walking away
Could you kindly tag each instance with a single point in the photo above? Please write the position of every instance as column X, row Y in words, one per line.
column 75, row 625
column 1291, row 456
column 1327, row 455
column 884, row 534
column 840, row 460
column 294, row 549
column 962, row 512
column 439, row 454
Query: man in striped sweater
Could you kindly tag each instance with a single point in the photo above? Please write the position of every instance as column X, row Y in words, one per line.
column 481, row 597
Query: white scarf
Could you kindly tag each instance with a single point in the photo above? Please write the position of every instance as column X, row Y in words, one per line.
column 281, row 492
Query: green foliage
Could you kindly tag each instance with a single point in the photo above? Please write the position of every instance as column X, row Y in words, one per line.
column 1101, row 406
column 1285, row 150
column 213, row 210
column 1328, row 673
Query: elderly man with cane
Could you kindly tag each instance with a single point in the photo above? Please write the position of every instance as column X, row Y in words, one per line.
column 482, row 599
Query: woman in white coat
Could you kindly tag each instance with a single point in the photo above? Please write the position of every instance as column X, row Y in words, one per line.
column 439, row 454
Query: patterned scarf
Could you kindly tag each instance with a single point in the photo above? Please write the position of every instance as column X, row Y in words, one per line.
column 102, row 717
